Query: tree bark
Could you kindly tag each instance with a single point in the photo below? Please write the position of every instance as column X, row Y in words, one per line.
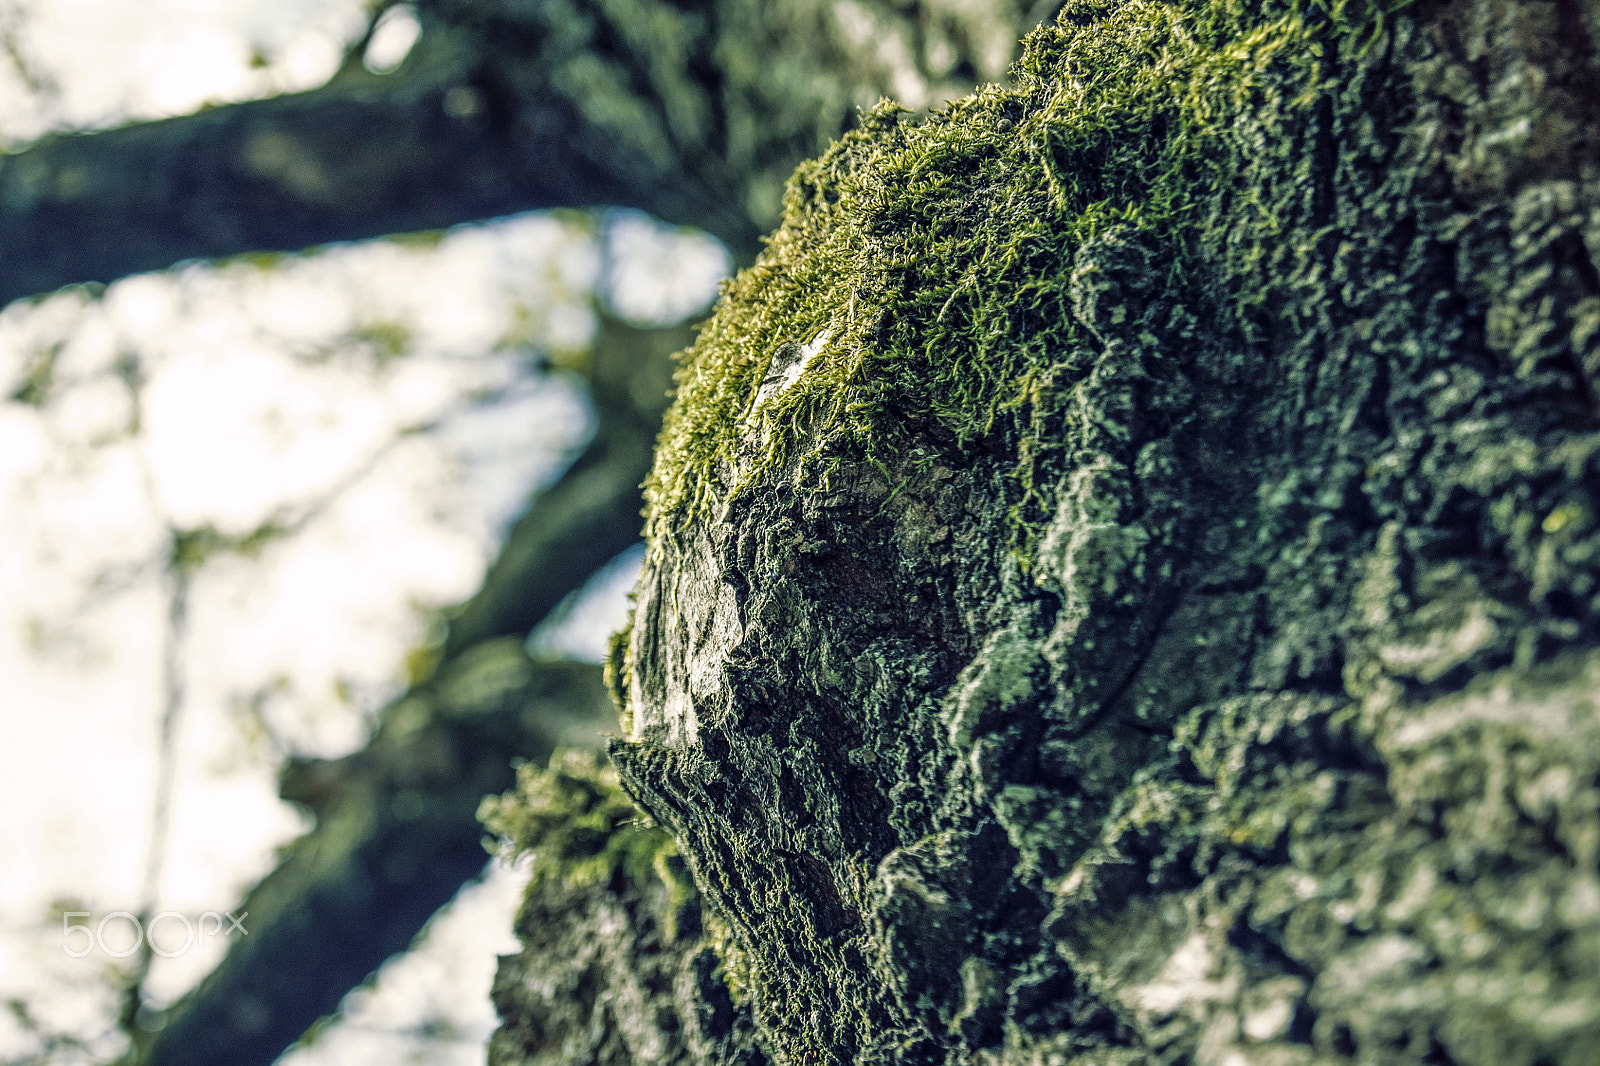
column 616, row 966
column 1124, row 576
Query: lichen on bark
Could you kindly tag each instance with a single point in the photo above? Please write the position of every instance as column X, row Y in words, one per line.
column 1123, row 562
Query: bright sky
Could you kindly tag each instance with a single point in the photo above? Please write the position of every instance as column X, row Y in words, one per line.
column 105, row 61
column 380, row 398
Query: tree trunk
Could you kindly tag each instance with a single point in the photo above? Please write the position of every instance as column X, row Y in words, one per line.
column 618, row 965
column 1122, row 578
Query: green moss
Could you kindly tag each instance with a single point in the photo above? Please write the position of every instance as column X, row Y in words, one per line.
column 735, row 968
column 940, row 256
column 582, row 830
column 618, row 667
column 580, row 827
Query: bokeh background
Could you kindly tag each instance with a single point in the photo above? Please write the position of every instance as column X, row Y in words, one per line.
column 336, row 441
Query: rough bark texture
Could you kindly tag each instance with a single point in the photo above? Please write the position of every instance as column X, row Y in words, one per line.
column 1123, row 562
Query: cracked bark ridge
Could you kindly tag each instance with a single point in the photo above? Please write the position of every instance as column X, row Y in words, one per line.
column 1230, row 698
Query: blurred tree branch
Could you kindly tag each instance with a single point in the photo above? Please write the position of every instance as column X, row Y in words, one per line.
column 694, row 112
column 396, row 832
column 341, row 163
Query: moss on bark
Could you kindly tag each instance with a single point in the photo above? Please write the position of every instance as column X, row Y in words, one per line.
column 617, row 967
column 1123, row 574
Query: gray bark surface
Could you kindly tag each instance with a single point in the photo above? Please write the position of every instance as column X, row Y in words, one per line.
column 1229, row 697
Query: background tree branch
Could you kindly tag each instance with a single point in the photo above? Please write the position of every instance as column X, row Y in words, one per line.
column 364, row 157
column 397, row 833
column 695, row 113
